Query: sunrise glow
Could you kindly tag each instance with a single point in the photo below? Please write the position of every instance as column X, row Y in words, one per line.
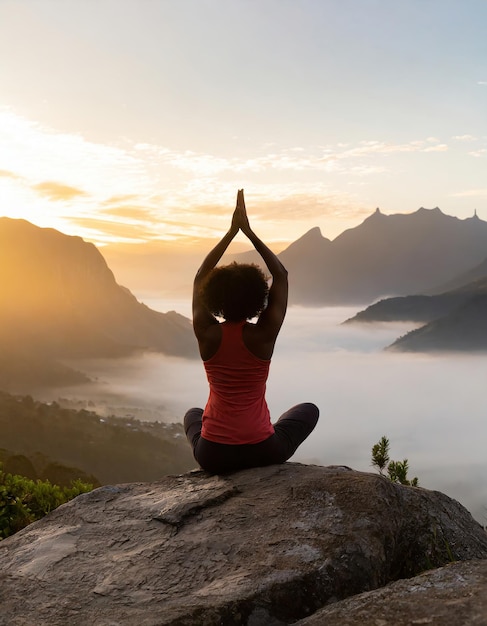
column 147, row 132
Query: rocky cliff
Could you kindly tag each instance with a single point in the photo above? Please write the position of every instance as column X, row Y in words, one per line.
column 263, row 547
column 59, row 300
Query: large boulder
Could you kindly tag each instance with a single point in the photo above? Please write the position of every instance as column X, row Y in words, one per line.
column 267, row 546
column 454, row 595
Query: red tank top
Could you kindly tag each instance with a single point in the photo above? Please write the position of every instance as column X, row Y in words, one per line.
column 236, row 411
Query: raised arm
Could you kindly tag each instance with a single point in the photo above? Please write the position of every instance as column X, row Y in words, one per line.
column 271, row 319
column 202, row 318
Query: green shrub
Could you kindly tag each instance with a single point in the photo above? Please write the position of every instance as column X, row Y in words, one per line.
column 23, row 500
column 397, row 471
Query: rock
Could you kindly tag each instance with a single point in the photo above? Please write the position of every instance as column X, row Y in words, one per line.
column 262, row 547
column 454, row 595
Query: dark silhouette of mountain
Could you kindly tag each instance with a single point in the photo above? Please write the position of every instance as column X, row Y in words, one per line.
column 303, row 258
column 455, row 320
column 420, row 308
column 59, row 300
column 307, row 260
column 386, row 255
column 463, row 329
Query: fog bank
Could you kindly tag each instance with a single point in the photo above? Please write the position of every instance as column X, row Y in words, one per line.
column 430, row 407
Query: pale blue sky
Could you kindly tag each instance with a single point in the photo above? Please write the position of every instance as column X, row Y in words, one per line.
column 140, row 118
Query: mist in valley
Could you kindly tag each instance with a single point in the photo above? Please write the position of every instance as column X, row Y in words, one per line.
column 431, row 407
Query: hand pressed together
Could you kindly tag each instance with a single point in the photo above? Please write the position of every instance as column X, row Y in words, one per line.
column 240, row 221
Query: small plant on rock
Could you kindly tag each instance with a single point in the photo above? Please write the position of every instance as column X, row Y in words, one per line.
column 396, row 471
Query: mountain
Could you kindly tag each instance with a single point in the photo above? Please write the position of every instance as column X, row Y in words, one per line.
column 454, row 320
column 59, row 300
column 302, row 257
column 420, row 308
column 386, row 255
column 307, row 260
column 463, row 329
column 477, row 272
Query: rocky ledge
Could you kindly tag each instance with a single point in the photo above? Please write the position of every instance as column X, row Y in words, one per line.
column 263, row 547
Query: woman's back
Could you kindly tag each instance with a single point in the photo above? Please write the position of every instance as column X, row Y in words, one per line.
column 236, row 411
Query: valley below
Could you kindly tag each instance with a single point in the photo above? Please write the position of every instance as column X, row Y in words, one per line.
column 430, row 406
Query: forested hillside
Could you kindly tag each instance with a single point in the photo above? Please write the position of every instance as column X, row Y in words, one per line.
column 54, row 442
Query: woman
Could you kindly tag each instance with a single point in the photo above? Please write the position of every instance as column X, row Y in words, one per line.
column 234, row 431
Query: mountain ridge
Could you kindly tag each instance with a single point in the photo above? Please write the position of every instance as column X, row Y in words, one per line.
column 455, row 320
column 384, row 256
column 464, row 328
column 60, row 300
column 394, row 255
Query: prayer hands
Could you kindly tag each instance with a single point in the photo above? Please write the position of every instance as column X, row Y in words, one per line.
column 240, row 219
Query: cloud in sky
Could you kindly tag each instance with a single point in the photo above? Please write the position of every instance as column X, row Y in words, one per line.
column 112, row 230
column 297, row 159
column 465, row 138
column 162, row 192
column 471, row 193
column 478, row 153
column 442, row 147
column 57, row 191
column 131, row 212
column 7, row 174
column 37, row 154
column 319, row 106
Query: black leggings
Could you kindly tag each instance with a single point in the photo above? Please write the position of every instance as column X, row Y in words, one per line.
column 291, row 430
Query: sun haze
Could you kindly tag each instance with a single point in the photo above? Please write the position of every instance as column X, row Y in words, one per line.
column 138, row 122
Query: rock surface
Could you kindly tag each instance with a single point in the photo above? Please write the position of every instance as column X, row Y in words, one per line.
column 454, row 595
column 263, row 547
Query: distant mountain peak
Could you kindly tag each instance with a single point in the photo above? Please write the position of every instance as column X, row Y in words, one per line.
column 377, row 214
column 311, row 237
column 372, row 218
column 314, row 232
column 435, row 211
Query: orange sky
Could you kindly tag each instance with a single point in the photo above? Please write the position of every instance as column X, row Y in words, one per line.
column 140, row 122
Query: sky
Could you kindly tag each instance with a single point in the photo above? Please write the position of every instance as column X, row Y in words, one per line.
column 136, row 121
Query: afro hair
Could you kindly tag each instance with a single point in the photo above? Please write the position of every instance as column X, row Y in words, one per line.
column 236, row 292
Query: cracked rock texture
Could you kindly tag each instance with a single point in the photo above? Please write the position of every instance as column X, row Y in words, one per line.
column 263, row 547
column 454, row 595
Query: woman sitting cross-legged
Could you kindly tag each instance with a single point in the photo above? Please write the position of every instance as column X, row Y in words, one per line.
column 234, row 431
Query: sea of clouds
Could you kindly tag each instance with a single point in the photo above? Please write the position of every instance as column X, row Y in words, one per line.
column 431, row 407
